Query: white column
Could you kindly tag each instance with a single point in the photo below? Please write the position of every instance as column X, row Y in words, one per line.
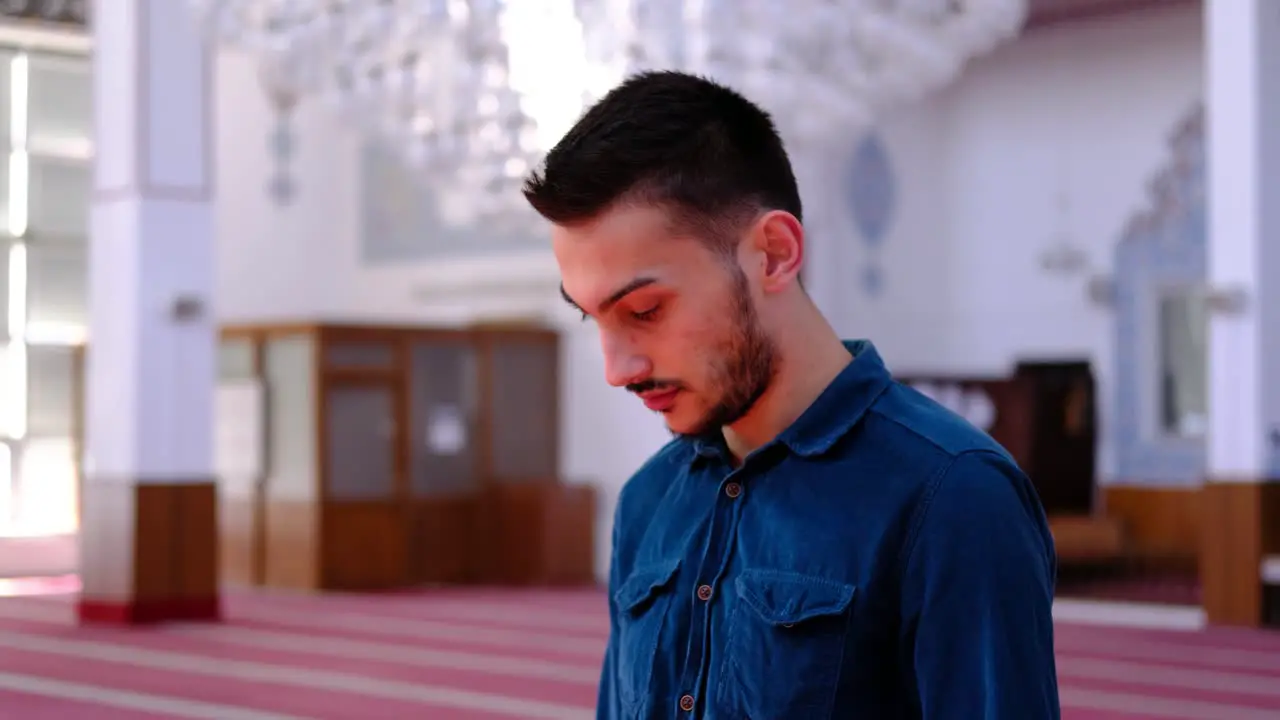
column 1242, row 54
column 151, row 352
column 1242, row 75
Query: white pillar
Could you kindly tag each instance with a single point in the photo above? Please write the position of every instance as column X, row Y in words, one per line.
column 1242, row 56
column 149, row 527
column 1242, row 48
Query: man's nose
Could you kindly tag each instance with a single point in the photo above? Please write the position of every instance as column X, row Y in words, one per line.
column 623, row 364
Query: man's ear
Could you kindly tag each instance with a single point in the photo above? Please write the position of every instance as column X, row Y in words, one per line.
column 779, row 238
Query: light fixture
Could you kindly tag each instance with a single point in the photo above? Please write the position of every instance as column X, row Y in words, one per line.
column 472, row 92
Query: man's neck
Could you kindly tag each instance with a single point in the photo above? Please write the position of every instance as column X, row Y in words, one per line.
column 804, row 372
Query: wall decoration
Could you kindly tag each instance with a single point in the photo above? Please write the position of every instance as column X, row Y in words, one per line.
column 873, row 202
column 872, row 279
column 1273, row 452
column 1162, row 251
column 1063, row 255
column 280, row 143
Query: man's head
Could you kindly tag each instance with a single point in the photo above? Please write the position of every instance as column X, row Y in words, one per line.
column 677, row 229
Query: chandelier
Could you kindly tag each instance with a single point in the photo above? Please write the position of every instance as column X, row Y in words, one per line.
column 818, row 66
column 471, row 93
column 435, row 80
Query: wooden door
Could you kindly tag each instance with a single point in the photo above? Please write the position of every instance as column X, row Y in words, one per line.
column 362, row 516
column 443, row 451
column 542, row 529
column 522, row 405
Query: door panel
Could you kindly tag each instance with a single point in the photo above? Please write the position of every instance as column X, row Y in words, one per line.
column 442, row 434
column 447, row 544
column 523, row 401
column 360, row 442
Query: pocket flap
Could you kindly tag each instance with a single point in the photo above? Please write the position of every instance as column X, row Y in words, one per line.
column 644, row 583
column 787, row 598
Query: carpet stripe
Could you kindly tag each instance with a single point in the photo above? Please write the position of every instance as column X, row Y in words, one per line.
column 538, row 687
column 459, row 654
column 592, row 623
column 290, row 676
column 65, row 700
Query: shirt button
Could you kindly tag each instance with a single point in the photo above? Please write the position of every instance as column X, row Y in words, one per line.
column 686, row 703
column 704, row 592
column 733, row 490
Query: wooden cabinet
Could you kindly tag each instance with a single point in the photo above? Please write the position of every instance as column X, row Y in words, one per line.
column 1044, row 415
column 406, row 456
column 1060, row 450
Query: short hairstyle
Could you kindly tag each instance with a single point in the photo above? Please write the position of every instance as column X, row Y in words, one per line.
column 697, row 148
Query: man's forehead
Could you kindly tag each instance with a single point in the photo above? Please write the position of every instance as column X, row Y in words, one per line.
column 600, row 267
column 624, row 250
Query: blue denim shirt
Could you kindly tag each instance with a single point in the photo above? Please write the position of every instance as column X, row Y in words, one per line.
column 880, row 559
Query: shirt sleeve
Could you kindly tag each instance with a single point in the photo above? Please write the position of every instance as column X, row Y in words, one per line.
column 977, row 595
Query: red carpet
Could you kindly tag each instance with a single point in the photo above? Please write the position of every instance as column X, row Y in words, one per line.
column 472, row 654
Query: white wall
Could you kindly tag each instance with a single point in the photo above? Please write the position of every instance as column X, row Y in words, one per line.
column 280, row 263
column 1083, row 109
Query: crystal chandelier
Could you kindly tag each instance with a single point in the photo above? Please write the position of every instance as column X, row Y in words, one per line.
column 472, row 92
column 433, row 79
column 819, row 66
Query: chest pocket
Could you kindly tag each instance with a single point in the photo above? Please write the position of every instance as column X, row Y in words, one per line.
column 786, row 639
column 643, row 601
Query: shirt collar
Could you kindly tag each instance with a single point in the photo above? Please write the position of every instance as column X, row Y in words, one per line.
column 840, row 406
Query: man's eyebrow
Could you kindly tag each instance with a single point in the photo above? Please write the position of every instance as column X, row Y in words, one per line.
column 615, row 297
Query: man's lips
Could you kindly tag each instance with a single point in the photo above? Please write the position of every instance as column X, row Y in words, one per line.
column 660, row 400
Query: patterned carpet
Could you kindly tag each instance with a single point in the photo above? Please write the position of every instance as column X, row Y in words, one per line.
column 473, row 654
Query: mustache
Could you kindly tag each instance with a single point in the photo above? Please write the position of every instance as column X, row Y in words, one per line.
column 651, row 385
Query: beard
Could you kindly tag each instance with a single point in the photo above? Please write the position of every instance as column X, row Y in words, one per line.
column 743, row 366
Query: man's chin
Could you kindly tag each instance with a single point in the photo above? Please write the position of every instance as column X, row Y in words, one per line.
column 686, row 424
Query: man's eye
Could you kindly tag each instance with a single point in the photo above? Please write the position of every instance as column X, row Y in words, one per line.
column 646, row 315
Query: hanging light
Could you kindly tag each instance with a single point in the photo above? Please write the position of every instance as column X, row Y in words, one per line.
column 817, row 65
column 472, row 92
column 432, row 79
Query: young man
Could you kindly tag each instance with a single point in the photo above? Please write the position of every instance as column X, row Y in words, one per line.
column 818, row 541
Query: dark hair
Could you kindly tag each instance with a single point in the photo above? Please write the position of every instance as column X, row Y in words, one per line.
column 701, row 150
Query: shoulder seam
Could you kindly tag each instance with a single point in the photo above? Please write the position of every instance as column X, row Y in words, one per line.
column 926, row 502
column 951, row 453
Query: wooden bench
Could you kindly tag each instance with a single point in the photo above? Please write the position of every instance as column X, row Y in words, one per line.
column 1087, row 539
